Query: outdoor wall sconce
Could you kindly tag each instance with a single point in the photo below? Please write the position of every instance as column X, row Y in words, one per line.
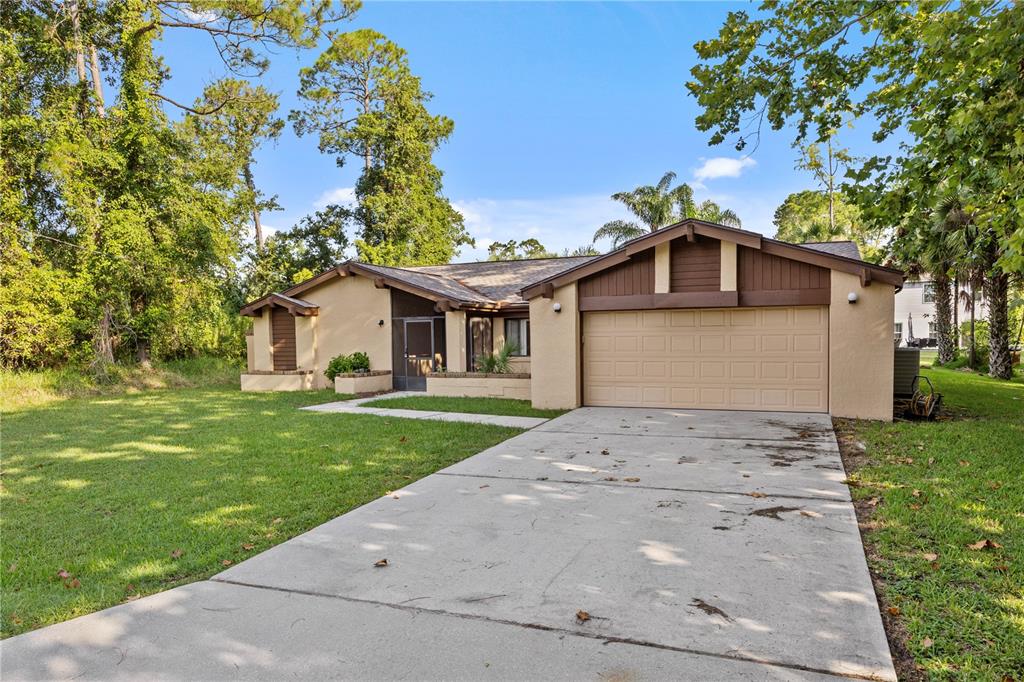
column 557, row 307
column 851, row 297
column 381, row 323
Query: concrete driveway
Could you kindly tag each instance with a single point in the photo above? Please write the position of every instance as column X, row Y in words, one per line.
column 699, row 544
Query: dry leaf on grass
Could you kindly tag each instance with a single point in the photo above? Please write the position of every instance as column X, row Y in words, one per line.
column 72, row 584
column 926, row 642
column 964, row 463
column 177, row 553
column 248, row 546
column 985, row 544
column 226, row 562
column 930, row 556
column 63, row 574
column 380, row 564
column 582, row 616
column 894, row 610
column 873, row 502
column 916, row 493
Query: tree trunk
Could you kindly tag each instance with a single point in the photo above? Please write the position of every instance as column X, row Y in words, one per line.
column 76, row 29
column 142, row 354
column 831, row 194
column 943, row 315
column 97, row 83
column 999, row 362
column 247, row 170
column 956, row 313
column 972, row 356
column 103, row 341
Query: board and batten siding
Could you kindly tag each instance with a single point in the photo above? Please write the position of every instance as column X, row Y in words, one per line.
column 695, row 266
column 634, row 277
column 766, row 279
column 282, row 335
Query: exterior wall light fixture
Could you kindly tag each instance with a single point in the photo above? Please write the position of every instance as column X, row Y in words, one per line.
column 851, row 297
column 557, row 307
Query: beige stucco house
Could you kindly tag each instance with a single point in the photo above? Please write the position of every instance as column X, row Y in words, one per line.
column 695, row 315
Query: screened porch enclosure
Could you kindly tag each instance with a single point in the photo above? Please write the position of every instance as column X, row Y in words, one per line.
column 418, row 340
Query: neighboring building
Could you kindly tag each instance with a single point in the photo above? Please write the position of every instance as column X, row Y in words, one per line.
column 915, row 306
column 695, row 315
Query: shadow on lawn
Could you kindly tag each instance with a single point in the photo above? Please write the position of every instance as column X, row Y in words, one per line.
column 133, row 494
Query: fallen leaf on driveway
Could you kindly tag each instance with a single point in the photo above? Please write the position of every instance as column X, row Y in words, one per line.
column 984, row 544
column 610, row 478
column 929, row 556
column 582, row 616
column 631, row 479
column 485, row 485
column 605, row 452
column 756, row 494
column 812, row 514
column 380, row 564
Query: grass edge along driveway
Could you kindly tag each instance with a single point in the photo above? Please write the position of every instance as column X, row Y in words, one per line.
column 109, row 498
column 435, row 403
column 942, row 512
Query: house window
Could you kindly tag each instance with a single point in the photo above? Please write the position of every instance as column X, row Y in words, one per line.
column 897, row 331
column 518, row 332
column 928, row 295
column 933, row 334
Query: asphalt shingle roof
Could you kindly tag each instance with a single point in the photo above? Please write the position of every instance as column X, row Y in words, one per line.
column 497, row 281
column 845, row 249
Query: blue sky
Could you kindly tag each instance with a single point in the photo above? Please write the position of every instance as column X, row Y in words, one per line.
column 556, row 106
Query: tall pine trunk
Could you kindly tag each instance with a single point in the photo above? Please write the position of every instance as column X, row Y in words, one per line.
column 251, row 184
column 943, row 317
column 999, row 361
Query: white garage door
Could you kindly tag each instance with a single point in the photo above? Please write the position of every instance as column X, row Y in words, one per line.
column 714, row 358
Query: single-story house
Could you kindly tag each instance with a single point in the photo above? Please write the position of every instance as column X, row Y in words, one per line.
column 695, row 315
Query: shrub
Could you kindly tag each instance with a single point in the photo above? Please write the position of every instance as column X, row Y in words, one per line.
column 346, row 364
column 497, row 363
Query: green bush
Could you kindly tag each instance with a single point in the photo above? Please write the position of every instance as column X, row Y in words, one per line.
column 497, row 363
column 347, row 364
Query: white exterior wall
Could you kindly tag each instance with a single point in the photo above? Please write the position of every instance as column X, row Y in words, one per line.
column 910, row 301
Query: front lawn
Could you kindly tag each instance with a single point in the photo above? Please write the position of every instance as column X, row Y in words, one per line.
column 942, row 508
column 436, row 403
column 110, row 497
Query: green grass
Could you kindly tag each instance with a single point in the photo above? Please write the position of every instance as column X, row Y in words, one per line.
column 503, row 406
column 937, row 488
column 110, row 488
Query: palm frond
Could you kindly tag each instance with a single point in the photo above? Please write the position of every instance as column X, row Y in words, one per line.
column 619, row 231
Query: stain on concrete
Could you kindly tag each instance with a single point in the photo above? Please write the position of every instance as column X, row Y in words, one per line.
column 710, row 609
column 773, row 512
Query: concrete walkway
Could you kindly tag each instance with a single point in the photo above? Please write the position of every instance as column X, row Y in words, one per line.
column 355, row 407
column 604, row 544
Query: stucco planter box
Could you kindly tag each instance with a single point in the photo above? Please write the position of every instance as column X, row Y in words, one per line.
column 297, row 380
column 479, row 385
column 363, row 382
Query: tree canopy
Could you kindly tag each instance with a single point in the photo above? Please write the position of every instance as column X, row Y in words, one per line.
column 660, row 205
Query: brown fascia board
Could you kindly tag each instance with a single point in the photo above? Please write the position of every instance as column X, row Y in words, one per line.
column 691, row 226
column 350, row 267
column 293, row 307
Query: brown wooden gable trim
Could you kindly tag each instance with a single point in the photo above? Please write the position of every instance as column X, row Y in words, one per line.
column 299, row 309
column 695, row 265
column 745, row 238
column 632, row 277
column 701, row 299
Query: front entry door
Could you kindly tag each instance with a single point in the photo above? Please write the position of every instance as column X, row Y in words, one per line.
column 419, row 353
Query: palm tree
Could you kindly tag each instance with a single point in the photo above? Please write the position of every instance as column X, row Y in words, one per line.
column 657, row 206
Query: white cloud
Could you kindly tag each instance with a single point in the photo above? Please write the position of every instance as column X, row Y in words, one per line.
column 722, row 167
column 204, row 17
column 337, row 195
column 558, row 223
